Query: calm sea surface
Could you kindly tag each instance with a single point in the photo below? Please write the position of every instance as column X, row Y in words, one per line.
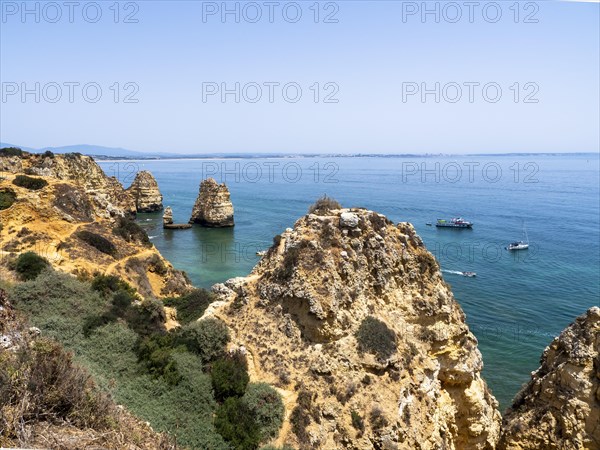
column 517, row 303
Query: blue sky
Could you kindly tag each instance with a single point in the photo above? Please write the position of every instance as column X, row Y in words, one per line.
column 370, row 61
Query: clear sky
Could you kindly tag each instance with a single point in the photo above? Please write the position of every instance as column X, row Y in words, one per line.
column 374, row 57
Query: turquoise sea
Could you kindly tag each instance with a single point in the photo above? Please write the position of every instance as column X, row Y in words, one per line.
column 517, row 303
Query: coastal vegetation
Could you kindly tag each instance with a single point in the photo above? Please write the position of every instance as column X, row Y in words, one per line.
column 97, row 241
column 324, row 205
column 29, row 265
column 165, row 377
column 31, row 183
column 11, row 151
column 131, row 232
column 7, row 198
column 375, row 337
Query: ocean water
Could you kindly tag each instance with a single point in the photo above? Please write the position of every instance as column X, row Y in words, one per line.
column 517, row 303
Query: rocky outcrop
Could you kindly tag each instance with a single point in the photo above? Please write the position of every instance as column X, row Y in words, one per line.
column 560, row 406
column 168, row 221
column 108, row 196
column 145, row 192
column 349, row 316
column 213, row 207
column 81, row 226
column 168, row 216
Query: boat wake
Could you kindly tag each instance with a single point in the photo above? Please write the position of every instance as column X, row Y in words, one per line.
column 456, row 272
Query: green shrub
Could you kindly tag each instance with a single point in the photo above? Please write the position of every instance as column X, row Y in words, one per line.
column 156, row 352
column 33, row 184
column 100, row 243
column 190, row 307
column 357, row 421
column 131, row 232
column 266, row 407
column 324, row 205
column 207, row 338
column 29, row 265
column 11, row 151
column 7, row 198
column 48, row 154
column 119, row 308
column 234, row 421
column 148, row 317
column 375, row 337
column 59, row 304
column 229, row 377
column 108, row 285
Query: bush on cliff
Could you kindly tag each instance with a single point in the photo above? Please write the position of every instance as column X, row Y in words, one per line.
column 266, row 407
column 190, row 307
column 131, row 232
column 31, row 183
column 207, row 338
column 100, row 243
column 324, row 205
column 108, row 285
column 29, row 265
column 235, row 422
column 7, row 198
column 375, row 337
column 230, row 376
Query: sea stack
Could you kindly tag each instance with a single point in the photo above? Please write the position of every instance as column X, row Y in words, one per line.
column 168, row 216
column 144, row 190
column 560, row 406
column 213, row 207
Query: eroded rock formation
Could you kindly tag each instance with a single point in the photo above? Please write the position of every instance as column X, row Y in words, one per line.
column 106, row 193
column 80, row 223
column 168, row 221
column 168, row 216
column 560, row 406
column 213, row 207
column 145, row 192
column 316, row 316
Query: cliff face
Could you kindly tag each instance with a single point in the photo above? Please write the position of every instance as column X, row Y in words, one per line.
column 349, row 316
column 213, row 207
column 79, row 225
column 560, row 406
column 145, row 192
column 106, row 193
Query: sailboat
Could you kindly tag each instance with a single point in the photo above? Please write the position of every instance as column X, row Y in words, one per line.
column 520, row 245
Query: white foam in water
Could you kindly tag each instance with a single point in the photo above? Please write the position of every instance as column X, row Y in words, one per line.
column 452, row 271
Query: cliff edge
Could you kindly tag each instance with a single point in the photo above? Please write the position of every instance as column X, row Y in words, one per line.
column 560, row 406
column 349, row 316
column 64, row 208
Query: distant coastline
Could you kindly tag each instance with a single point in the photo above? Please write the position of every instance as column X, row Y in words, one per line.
column 107, row 154
column 104, row 158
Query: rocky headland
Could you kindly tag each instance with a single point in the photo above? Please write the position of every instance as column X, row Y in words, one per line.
column 349, row 316
column 213, row 207
column 560, row 406
column 68, row 211
column 145, row 193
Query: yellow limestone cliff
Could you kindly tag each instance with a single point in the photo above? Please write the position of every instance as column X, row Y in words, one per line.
column 316, row 316
column 560, row 406
column 70, row 220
